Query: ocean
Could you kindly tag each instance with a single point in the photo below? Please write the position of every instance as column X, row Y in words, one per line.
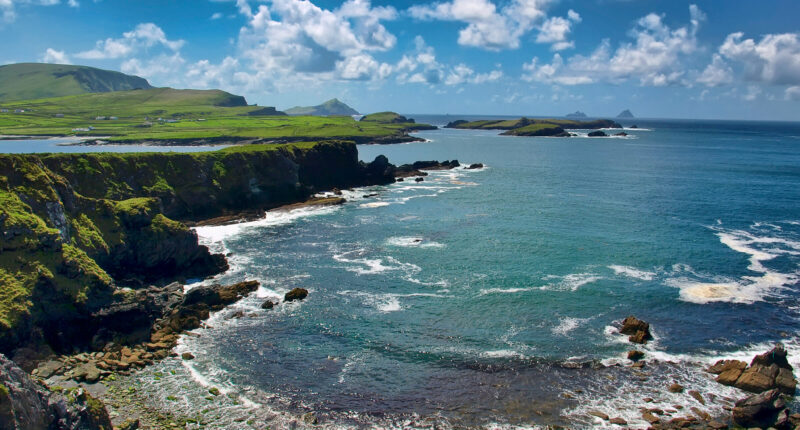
column 491, row 297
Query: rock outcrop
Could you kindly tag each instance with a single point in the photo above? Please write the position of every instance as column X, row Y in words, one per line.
column 597, row 133
column 767, row 371
column 418, row 168
column 25, row 404
column 296, row 294
column 638, row 330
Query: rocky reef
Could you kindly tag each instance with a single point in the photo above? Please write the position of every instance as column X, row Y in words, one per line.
column 533, row 127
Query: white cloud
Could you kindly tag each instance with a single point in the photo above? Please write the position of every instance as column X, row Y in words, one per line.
column 654, row 58
column 775, row 59
column 792, row 93
column 717, row 73
column 304, row 38
column 216, row 15
column 556, row 29
column 487, row 26
column 8, row 10
column 145, row 35
column 57, row 57
column 421, row 66
column 753, row 91
column 166, row 69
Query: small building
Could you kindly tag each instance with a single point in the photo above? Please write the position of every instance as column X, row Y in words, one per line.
column 59, row 115
column 100, row 118
column 80, row 129
column 171, row 121
column 113, row 118
column 19, row 110
column 3, row 110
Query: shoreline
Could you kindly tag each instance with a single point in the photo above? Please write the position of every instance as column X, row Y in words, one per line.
column 692, row 413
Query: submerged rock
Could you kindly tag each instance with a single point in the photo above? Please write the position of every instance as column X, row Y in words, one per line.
column 296, row 294
column 269, row 304
column 419, row 179
column 475, row 166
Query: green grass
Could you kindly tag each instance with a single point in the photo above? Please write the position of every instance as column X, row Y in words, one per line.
column 201, row 115
column 27, row 81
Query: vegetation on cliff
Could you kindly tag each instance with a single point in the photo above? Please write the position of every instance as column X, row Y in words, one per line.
column 27, row 81
column 70, row 223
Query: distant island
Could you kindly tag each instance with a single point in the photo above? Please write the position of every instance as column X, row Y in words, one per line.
column 535, row 127
column 625, row 114
column 332, row 107
column 576, row 114
column 27, row 81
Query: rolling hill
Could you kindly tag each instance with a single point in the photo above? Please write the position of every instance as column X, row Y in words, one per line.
column 27, row 81
column 329, row 108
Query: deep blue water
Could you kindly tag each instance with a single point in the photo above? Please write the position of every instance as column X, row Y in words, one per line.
column 470, row 298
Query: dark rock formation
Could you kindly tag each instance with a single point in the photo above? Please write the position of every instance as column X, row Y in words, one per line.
column 25, row 404
column 759, row 410
column 622, row 133
column 419, row 179
column 475, row 166
column 767, row 371
column 597, row 133
column 625, row 114
column 296, row 294
column 635, row 355
column 417, row 168
column 638, row 330
column 268, row 304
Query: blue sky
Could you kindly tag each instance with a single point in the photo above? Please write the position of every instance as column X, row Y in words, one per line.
column 670, row 59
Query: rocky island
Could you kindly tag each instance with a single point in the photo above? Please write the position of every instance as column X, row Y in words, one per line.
column 533, row 127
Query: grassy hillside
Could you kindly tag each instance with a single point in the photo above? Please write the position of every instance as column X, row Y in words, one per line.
column 26, row 81
column 169, row 115
column 330, row 107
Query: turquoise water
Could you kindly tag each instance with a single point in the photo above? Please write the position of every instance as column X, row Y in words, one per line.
column 490, row 296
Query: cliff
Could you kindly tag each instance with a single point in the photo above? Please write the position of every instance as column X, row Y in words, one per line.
column 75, row 226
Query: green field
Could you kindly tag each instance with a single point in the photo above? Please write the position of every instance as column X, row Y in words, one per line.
column 165, row 114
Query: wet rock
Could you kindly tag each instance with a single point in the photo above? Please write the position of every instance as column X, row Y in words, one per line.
column 296, row 294
column 48, row 369
column 214, row 391
column 597, row 133
column 599, row 414
column 618, row 421
column 87, row 372
column 767, row 371
column 622, row 133
column 638, row 330
column 676, row 388
column 758, row 410
column 129, row 424
column 419, row 179
column 187, row 356
column 635, row 355
column 310, row 418
column 716, row 425
column 650, row 418
column 700, row 413
column 400, row 179
column 697, row 396
column 269, row 304
column 337, row 191
column 475, row 166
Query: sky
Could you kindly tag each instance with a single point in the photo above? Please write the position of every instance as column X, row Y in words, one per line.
column 717, row 59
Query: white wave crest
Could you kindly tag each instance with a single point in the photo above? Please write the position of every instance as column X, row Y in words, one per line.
column 412, row 242
column 632, row 272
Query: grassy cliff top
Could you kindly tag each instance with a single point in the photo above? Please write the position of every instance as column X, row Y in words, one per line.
column 25, row 81
column 330, row 107
column 165, row 114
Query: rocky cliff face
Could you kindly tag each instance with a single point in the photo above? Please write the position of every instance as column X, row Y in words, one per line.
column 25, row 404
column 74, row 226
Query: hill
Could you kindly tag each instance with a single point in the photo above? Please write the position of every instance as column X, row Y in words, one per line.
column 625, row 114
column 576, row 114
column 330, row 107
column 27, row 81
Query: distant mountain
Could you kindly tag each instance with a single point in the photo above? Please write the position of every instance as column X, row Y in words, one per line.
column 625, row 114
column 26, row 81
column 576, row 114
column 330, row 107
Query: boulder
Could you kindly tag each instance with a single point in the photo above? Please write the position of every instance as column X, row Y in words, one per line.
column 618, row 421
column 187, row 356
column 676, row 388
column 599, row 414
column 767, row 371
column 724, row 365
column 635, row 355
column 87, row 372
column 475, row 166
column 638, row 330
column 758, row 410
column 337, row 191
column 269, row 304
column 621, row 133
column 597, row 133
column 419, row 179
column 296, row 294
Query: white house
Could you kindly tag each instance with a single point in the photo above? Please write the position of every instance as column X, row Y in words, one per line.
column 3, row 110
column 59, row 115
column 100, row 118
